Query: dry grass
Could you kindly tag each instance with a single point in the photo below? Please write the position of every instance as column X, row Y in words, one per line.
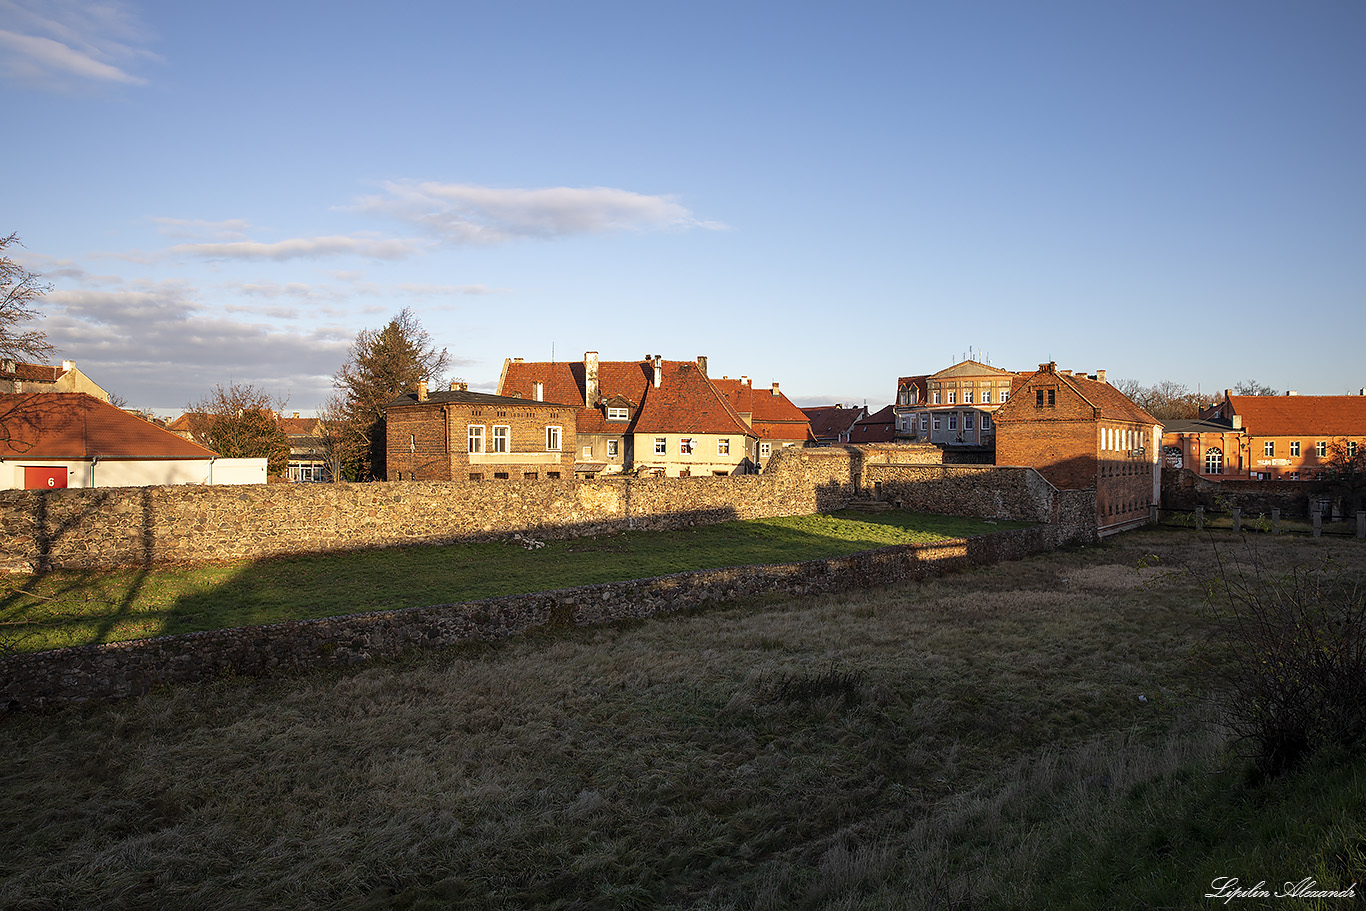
column 933, row 745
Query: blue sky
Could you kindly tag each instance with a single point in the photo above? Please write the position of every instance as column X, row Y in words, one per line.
column 825, row 195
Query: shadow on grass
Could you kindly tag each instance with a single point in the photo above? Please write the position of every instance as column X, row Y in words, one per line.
column 83, row 608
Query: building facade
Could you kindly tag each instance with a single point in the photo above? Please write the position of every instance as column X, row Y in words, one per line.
column 1080, row 432
column 458, row 435
column 956, row 406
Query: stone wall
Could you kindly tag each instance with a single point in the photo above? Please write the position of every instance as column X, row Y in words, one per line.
column 106, row 527
column 68, row 676
column 1183, row 489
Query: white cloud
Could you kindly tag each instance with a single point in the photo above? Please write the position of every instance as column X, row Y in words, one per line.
column 63, row 43
column 303, row 248
column 468, row 214
column 199, row 229
column 424, row 291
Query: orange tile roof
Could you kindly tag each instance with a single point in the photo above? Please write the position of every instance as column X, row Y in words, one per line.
column 772, row 417
column 827, row 423
column 1113, row 404
column 36, row 373
column 878, row 427
column 76, row 426
column 686, row 402
column 1301, row 415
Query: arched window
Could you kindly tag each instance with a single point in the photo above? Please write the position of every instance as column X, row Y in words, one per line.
column 1214, row 460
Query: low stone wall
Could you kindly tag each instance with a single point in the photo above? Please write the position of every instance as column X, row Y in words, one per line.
column 72, row 676
column 1183, row 489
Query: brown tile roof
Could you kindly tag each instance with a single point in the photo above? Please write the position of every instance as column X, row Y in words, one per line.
column 878, row 427
column 73, row 425
column 299, row 427
column 1301, row 415
column 36, row 373
column 1113, row 404
column 827, row 423
column 686, row 402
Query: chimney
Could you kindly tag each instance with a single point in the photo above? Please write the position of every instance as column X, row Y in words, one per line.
column 296, row 414
column 7, row 365
column 702, row 363
column 68, row 366
column 1050, row 367
column 590, row 379
column 659, row 370
column 1100, row 376
column 775, row 389
column 422, row 390
column 1291, row 392
column 459, row 386
column 1237, row 422
column 1064, row 372
column 538, row 391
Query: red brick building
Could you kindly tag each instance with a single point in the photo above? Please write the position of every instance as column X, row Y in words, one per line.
column 458, row 435
column 1266, row 437
column 1080, row 432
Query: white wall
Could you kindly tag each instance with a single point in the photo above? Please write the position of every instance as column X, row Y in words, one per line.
column 120, row 473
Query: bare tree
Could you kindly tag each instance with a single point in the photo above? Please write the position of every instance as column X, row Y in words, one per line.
column 1344, row 473
column 242, row 422
column 383, row 364
column 336, row 437
column 1252, row 387
column 19, row 290
column 1166, row 400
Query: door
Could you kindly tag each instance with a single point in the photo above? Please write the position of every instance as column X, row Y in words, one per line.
column 44, row 478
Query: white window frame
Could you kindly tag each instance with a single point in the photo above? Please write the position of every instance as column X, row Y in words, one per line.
column 765, row 449
column 1214, row 460
column 554, row 436
column 986, row 421
column 953, row 397
column 588, row 451
column 501, row 442
column 953, row 422
column 936, row 397
column 618, row 414
column 1321, row 449
column 661, row 445
column 723, row 446
column 474, row 437
column 612, row 449
column 1295, row 448
column 967, row 396
column 686, row 445
column 968, row 421
column 1269, row 448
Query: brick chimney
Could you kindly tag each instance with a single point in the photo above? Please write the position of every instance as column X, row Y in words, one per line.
column 590, row 379
column 775, row 389
column 702, row 363
column 422, row 390
column 459, row 386
column 1100, row 376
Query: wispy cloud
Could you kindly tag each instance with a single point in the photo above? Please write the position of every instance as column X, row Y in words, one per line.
column 232, row 229
column 59, row 44
column 303, row 248
column 468, row 214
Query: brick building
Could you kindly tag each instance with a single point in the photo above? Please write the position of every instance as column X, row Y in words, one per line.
column 458, row 435
column 660, row 417
column 1079, row 432
column 1267, row 437
column 19, row 377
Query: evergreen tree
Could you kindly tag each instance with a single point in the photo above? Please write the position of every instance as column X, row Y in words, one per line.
column 382, row 365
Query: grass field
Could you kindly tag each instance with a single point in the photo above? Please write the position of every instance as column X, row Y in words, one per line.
column 974, row 741
column 70, row 608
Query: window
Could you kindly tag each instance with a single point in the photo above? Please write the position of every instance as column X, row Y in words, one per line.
column 953, row 421
column 661, row 446
column 500, row 475
column 1269, row 448
column 1005, row 396
column 1214, row 461
column 502, row 438
column 1320, row 449
column 967, row 396
column 529, row 476
column 611, row 449
column 685, row 446
column 936, row 397
column 953, row 397
column 552, row 438
column 765, row 449
column 476, row 476
column 555, row 475
column 967, row 421
column 723, row 446
column 1294, row 475
column 986, row 396
column 476, row 438
column 986, row 422
column 938, row 423
column 617, row 414
column 1295, row 447
column 1351, row 449
column 1043, row 397
column 588, row 452
column 924, row 423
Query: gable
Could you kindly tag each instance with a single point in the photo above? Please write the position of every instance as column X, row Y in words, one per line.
column 77, row 426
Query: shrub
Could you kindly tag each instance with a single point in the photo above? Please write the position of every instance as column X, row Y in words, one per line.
column 1290, row 659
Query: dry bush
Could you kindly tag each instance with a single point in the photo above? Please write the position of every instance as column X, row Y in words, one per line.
column 1290, row 658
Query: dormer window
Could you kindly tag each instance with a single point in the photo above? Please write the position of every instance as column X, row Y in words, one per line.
column 618, row 414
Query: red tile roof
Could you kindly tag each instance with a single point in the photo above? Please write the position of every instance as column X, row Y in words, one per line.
column 1113, row 404
column 686, row 402
column 772, row 414
column 879, row 427
column 36, row 373
column 76, row 426
column 1301, row 415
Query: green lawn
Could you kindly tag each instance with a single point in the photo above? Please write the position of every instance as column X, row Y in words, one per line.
column 70, row 608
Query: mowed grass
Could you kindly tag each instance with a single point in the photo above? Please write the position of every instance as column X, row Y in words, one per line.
column 974, row 741
column 76, row 608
